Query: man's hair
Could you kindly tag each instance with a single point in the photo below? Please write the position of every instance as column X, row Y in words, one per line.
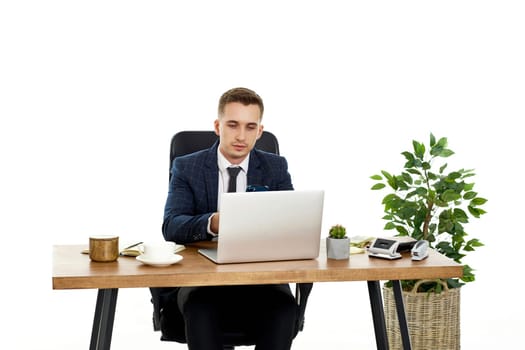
column 242, row 95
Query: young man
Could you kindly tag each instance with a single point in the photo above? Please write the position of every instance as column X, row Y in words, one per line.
column 266, row 312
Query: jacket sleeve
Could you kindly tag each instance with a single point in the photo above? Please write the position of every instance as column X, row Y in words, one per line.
column 186, row 212
column 285, row 182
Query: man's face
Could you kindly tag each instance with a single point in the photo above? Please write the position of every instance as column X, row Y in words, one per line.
column 239, row 127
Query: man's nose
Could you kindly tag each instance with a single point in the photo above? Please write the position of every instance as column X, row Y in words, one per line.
column 241, row 134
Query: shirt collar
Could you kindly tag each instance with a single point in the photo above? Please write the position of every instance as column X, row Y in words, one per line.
column 223, row 163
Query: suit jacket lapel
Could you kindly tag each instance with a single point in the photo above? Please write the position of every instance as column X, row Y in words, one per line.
column 255, row 170
column 256, row 174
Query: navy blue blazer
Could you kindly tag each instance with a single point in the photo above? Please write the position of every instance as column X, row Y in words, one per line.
column 193, row 190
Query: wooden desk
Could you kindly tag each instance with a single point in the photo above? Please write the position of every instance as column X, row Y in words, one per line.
column 73, row 270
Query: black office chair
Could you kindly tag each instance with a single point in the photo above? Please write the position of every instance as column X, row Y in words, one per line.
column 186, row 142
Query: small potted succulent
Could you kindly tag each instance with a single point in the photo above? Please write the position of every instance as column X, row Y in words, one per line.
column 337, row 243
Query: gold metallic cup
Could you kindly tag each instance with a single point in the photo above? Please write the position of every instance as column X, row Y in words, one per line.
column 103, row 248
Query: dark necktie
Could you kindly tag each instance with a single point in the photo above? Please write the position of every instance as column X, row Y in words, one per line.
column 232, row 185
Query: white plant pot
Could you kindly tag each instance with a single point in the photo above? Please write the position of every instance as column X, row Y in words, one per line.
column 338, row 248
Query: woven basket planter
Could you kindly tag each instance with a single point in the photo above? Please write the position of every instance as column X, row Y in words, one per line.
column 433, row 319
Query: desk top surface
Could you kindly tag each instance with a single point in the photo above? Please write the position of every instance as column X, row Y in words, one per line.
column 73, row 270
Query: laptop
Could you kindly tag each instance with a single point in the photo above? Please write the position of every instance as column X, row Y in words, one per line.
column 268, row 226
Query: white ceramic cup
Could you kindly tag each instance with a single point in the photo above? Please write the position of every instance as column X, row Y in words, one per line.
column 158, row 250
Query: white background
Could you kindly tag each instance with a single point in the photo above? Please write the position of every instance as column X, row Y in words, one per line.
column 91, row 92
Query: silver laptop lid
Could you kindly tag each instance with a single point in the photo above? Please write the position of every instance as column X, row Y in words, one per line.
column 270, row 225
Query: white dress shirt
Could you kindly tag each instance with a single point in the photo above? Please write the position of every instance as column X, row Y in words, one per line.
column 224, row 178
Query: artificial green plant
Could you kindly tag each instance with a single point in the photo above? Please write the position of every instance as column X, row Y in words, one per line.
column 428, row 202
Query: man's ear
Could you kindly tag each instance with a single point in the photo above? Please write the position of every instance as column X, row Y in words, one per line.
column 261, row 129
column 216, row 125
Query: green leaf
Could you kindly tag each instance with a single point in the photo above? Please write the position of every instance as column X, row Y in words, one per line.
column 443, row 142
column 481, row 211
column 478, row 201
column 402, row 231
column 389, row 226
column 386, row 174
column 450, row 195
column 468, row 276
column 391, row 199
column 407, row 178
column 414, row 171
column 454, row 175
column 411, row 161
column 439, row 149
column 468, row 187
column 378, row 186
column 409, row 156
column 434, row 151
column 421, row 191
column 469, row 195
column 432, row 176
column 405, row 212
column 454, row 283
column 410, row 194
column 446, row 153
column 401, row 183
column 474, row 242
column 475, row 212
column 376, row 177
column 419, row 149
column 460, row 215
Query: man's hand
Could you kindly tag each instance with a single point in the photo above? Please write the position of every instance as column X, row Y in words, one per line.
column 214, row 225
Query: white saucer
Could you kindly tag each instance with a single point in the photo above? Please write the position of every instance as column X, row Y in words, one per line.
column 162, row 262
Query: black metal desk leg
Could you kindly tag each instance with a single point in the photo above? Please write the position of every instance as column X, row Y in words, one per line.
column 103, row 321
column 401, row 316
column 378, row 315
